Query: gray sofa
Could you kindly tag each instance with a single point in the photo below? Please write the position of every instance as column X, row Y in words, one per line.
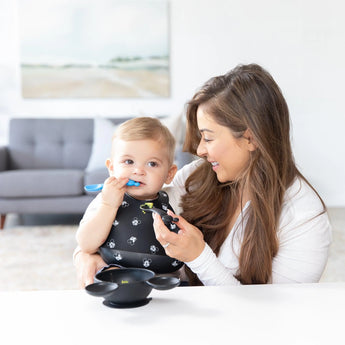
column 43, row 169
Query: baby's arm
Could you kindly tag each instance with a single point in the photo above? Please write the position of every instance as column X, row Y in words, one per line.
column 95, row 226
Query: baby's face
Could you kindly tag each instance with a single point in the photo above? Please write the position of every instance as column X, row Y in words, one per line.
column 144, row 161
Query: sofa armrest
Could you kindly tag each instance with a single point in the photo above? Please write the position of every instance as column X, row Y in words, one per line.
column 3, row 158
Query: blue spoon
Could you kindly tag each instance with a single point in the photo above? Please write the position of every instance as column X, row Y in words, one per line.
column 99, row 186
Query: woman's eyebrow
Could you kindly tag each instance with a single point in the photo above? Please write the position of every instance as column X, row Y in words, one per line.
column 205, row 130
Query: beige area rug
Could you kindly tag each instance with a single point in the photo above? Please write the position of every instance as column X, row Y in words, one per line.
column 37, row 258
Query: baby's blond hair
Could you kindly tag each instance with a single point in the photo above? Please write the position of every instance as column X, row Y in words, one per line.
column 147, row 128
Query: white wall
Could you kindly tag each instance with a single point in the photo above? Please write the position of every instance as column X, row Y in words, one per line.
column 300, row 42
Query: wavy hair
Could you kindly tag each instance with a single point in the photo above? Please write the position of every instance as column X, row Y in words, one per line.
column 245, row 98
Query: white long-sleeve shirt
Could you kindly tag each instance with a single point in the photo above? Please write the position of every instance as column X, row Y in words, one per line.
column 304, row 236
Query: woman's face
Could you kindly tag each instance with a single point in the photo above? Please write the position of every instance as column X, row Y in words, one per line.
column 229, row 156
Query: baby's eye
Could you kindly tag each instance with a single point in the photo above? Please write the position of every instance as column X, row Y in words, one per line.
column 128, row 161
column 152, row 164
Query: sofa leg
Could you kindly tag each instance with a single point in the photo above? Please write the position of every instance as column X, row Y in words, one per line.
column 2, row 221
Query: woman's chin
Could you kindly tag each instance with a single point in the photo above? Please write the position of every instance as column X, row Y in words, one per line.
column 222, row 179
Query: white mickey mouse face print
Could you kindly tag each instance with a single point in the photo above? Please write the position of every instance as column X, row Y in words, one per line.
column 175, row 263
column 131, row 241
column 154, row 249
column 117, row 256
column 136, row 221
column 147, row 262
column 124, row 204
column 111, row 244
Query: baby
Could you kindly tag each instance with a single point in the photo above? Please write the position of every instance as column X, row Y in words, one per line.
column 114, row 223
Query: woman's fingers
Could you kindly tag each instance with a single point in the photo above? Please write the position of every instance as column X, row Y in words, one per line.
column 184, row 246
column 163, row 234
column 181, row 223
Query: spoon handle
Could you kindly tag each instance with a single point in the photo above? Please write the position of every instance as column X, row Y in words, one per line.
column 99, row 186
column 93, row 187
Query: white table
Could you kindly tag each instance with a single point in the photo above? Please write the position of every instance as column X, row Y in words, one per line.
column 267, row 314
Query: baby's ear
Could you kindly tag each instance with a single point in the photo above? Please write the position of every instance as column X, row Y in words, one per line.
column 171, row 173
column 110, row 166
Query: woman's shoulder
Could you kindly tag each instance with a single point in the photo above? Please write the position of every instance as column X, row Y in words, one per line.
column 183, row 173
column 177, row 188
column 303, row 208
column 301, row 196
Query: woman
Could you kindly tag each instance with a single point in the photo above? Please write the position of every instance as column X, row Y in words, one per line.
column 249, row 216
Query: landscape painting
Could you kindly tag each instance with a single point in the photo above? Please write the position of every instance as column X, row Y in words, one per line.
column 94, row 49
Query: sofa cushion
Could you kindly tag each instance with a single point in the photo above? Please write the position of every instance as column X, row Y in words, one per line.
column 50, row 143
column 3, row 158
column 41, row 183
column 96, row 176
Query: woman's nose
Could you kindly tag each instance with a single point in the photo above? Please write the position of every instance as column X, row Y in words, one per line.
column 201, row 151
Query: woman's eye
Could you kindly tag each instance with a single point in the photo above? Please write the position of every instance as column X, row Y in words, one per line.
column 207, row 140
column 152, row 164
column 128, row 161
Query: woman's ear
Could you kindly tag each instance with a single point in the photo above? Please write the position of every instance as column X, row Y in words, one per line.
column 110, row 166
column 251, row 143
column 171, row 173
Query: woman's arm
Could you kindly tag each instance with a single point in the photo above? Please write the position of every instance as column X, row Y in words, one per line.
column 303, row 250
column 301, row 258
column 304, row 237
column 210, row 270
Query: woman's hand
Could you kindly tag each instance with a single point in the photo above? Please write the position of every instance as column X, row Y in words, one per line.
column 185, row 246
column 87, row 266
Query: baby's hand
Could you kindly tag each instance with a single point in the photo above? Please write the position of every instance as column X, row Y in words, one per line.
column 113, row 191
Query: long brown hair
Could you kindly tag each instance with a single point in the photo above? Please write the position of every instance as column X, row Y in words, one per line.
column 245, row 98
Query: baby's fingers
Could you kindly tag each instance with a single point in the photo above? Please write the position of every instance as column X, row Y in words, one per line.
column 119, row 182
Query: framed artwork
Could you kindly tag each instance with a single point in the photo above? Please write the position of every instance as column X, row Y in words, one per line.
column 94, row 49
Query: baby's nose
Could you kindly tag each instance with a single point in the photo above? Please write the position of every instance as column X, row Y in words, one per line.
column 139, row 171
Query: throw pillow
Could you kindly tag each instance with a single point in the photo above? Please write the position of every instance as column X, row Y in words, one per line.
column 176, row 126
column 103, row 131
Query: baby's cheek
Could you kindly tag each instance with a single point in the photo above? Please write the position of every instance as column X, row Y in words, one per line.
column 118, row 173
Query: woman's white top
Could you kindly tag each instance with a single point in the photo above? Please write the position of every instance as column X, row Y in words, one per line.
column 304, row 236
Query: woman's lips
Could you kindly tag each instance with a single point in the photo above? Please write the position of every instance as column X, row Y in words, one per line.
column 215, row 165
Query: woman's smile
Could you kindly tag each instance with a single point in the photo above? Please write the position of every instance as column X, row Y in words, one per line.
column 215, row 165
